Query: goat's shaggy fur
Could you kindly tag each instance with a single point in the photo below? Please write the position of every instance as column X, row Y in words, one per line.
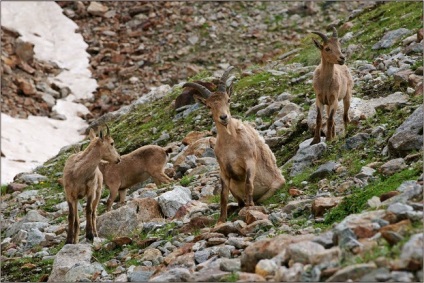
column 82, row 178
column 247, row 164
column 135, row 167
column 332, row 82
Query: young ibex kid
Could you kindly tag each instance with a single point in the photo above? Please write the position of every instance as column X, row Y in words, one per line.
column 82, row 178
column 135, row 167
column 332, row 82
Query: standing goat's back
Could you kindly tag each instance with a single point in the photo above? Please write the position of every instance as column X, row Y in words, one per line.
column 332, row 82
column 247, row 165
column 82, row 178
column 135, row 167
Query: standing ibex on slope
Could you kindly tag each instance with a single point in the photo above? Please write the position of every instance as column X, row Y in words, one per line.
column 332, row 82
column 248, row 166
column 135, row 167
column 82, row 178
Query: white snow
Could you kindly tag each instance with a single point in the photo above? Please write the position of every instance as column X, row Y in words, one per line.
column 28, row 143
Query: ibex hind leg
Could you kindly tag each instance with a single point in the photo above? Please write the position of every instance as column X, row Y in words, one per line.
column 72, row 218
column 346, row 106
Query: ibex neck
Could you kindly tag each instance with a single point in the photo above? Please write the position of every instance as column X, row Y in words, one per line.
column 327, row 68
column 224, row 130
column 91, row 157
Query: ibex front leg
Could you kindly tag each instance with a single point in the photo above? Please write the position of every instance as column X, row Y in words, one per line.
column 317, row 136
column 224, row 201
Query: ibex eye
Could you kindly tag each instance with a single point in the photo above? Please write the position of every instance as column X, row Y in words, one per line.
column 327, row 49
column 229, row 100
column 111, row 143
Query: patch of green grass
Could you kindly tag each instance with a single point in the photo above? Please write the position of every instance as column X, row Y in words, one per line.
column 3, row 189
column 357, row 201
column 213, row 199
column 186, row 180
column 233, row 277
column 25, row 269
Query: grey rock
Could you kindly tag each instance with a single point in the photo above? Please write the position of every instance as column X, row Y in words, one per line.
column 266, row 267
column 201, row 256
column 325, row 239
column 49, row 99
column 97, row 9
column 305, row 156
column 140, row 274
column 409, row 135
column 256, row 108
column 356, row 141
column 304, row 252
column 346, row 239
column 292, row 274
column 284, row 96
column 352, row 272
column 26, row 227
column 225, row 251
column 19, row 237
column 176, row 274
column 67, row 257
column 27, row 195
column 239, row 243
column 381, row 274
column 324, row 170
column 34, row 238
column 289, row 107
column 400, row 209
column 270, row 109
column 409, row 190
column 393, row 166
column 230, row 265
column 365, row 173
column 30, row 178
column 119, row 222
column 171, row 201
column 83, row 271
column 209, row 152
column 391, row 37
column 412, row 253
column 402, row 276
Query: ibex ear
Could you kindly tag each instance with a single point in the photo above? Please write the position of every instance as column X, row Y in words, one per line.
column 91, row 134
column 317, row 44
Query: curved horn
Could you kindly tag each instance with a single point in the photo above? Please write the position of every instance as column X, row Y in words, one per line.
column 223, row 80
column 203, row 90
column 107, row 130
column 335, row 32
column 323, row 36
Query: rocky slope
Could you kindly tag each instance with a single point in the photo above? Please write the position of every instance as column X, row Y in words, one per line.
column 351, row 209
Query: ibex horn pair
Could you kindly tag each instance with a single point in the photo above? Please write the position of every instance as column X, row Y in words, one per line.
column 221, row 87
column 107, row 132
column 324, row 37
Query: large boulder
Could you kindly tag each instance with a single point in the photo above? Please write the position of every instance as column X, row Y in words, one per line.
column 409, row 136
column 68, row 257
column 267, row 249
column 171, row 201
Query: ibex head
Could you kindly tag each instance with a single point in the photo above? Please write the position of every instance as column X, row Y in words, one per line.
column 218, row 102
column 330, row 48
column 107, row 146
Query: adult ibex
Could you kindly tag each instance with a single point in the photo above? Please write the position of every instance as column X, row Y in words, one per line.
column 248, row 166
